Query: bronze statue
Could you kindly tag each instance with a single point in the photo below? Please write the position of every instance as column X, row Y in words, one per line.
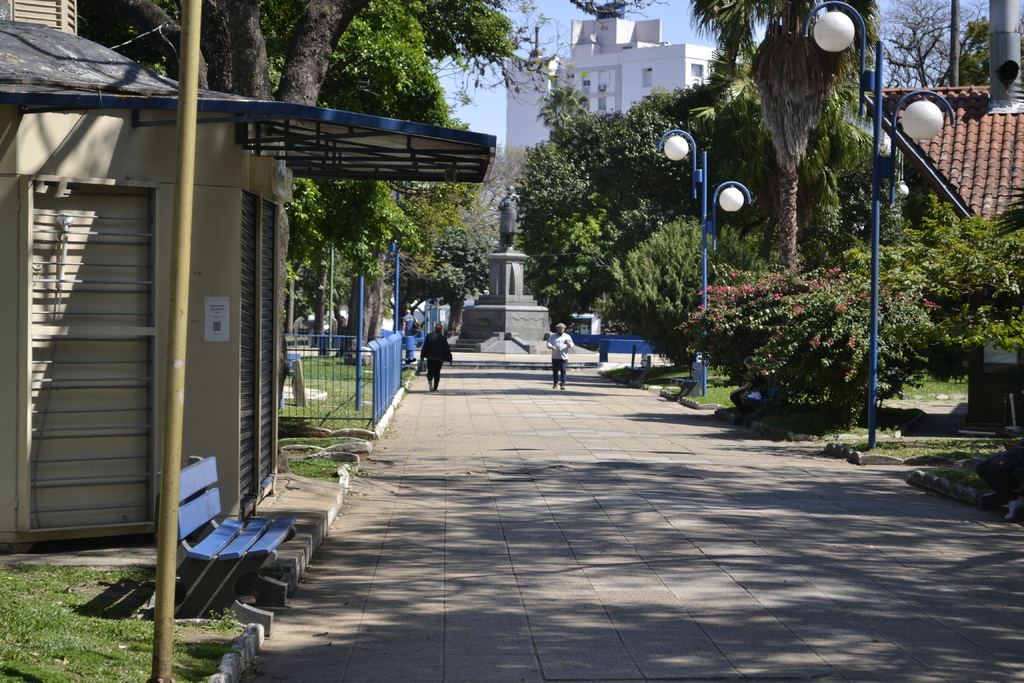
column 509, row 225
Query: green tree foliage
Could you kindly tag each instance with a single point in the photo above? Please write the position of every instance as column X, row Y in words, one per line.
column 972, row 269
column 594, row 191
column 658, row 284
column 809, row 333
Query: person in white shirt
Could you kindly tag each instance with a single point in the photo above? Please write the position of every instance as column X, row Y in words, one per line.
column 559, row 344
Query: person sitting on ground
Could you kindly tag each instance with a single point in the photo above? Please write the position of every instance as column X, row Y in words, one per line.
column 997, row 471
column 754, row 383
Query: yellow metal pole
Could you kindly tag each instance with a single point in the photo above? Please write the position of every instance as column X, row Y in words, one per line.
column 174, row 394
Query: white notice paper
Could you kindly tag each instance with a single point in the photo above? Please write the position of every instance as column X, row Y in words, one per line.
column 218, row 319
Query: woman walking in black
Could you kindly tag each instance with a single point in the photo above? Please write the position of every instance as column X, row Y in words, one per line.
column 435, row 351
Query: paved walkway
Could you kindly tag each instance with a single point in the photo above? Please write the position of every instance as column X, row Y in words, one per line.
column 511, row 533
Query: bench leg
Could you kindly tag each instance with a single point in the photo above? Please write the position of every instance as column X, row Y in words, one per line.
column 247, row 614
column 268, row 592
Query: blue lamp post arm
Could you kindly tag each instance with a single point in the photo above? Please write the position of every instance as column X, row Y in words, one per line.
column 714, row 207
column 866, row 77
column 697, row 177
column 890, row 168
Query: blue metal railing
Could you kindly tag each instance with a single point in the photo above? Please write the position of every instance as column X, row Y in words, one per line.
column 387, row 372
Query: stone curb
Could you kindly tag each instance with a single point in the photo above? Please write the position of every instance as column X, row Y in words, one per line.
column 841, row 452
column 777, row 433
column 933, row 482
column 234, row 664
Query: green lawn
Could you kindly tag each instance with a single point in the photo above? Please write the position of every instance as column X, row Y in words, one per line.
column 809, row 419
column 74, row 625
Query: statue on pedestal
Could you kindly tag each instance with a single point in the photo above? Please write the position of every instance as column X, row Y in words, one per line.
column 509, row 225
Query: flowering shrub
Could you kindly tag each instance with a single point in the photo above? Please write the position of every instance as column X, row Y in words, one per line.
column 810, row 333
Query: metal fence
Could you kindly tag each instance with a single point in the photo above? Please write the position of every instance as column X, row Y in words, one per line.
column 387, row 372
column 334, row 387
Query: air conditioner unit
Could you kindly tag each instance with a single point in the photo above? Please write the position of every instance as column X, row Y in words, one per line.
column 602, row 87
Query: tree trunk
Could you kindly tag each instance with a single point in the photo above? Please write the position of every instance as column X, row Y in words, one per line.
column 251, row 74
column 289, row 324
column 309, row 55
column 217, row 48
column 283, row 230
column 788, row 183
column 320, row 302
column 455, row 317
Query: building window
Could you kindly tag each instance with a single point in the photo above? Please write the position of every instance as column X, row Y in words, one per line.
column 647, row 77
column 602, row 80
column 602, row 104
column 697, row 70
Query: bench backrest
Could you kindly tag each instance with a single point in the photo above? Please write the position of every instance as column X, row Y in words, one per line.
column 198, row 498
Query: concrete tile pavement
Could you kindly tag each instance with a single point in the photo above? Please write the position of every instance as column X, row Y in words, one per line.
column 511, row 532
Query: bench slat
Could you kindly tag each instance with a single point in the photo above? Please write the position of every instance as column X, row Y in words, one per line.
column 197, row 477
column 208, row 548
column 249, row 535
column 276, row 535
column 198, row 512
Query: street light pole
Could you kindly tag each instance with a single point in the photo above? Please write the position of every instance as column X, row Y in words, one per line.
column 834, row 32
column 674, row 145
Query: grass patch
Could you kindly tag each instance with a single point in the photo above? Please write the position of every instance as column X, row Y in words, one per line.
column 929, row 387
column 313, row 441
column 965, row 477
column 320, row 468
column 954, row 449
column 801, row 419
column 72, row 624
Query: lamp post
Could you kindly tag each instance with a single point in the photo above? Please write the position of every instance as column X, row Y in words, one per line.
column 834, row 32
column 676, row 145
column 393, row 252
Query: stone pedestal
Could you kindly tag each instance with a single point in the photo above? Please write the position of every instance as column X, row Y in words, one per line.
column 507, row 320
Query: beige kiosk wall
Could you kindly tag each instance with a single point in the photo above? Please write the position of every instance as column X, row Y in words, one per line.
column 104, row 148
column 11, row 415
column 212, row 371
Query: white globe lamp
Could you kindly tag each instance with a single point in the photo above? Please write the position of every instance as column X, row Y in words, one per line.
column 834, row 31
column 922, row 120
column 676, row 148
column 902, row 190
column 730, row 199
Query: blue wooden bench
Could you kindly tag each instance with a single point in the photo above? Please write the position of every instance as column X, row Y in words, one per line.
column 217, row 563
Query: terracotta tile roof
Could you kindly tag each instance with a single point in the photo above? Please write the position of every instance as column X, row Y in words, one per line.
column 977, row 164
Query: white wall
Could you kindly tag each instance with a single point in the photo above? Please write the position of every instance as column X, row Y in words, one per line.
column 622, row 50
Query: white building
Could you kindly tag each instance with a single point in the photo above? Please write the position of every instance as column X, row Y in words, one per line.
column 615, row 62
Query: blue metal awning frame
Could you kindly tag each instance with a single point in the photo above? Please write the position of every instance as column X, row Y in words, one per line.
column 314, row 142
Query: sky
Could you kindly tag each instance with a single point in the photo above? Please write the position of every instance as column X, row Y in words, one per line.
column 487, row 112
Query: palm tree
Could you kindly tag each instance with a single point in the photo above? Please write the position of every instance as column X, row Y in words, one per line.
column 735, row 122
column 561, row 104
column 793, row 76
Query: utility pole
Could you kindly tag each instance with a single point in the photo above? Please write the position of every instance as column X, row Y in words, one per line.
column 954, row 43
column 177, row 328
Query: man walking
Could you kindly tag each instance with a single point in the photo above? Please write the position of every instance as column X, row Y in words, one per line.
column 559, row 345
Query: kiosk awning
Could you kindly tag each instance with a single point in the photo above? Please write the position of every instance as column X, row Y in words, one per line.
column 46, row 70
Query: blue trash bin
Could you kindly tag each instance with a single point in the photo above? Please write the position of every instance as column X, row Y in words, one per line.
column 409, row 344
